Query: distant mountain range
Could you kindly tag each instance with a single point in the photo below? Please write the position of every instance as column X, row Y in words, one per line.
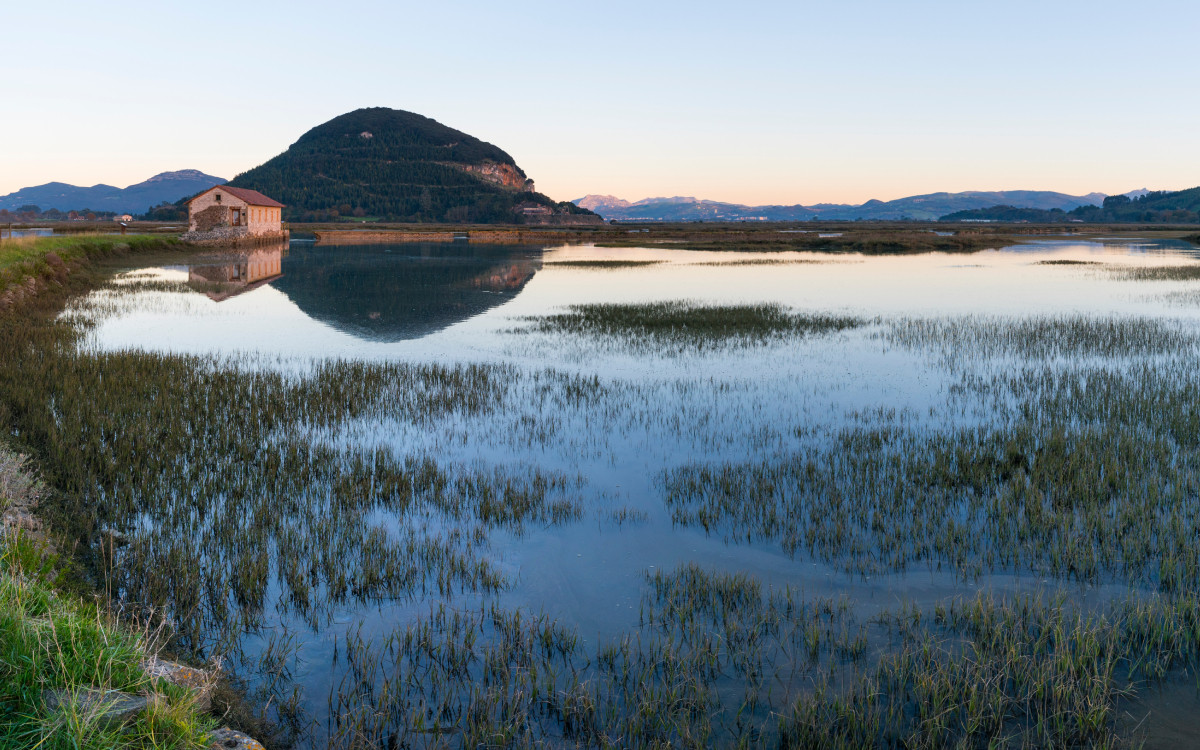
column 918, row 207
column 1143, row 206
column 135, row 199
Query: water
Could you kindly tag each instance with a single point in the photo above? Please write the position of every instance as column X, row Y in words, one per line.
column 666, row 406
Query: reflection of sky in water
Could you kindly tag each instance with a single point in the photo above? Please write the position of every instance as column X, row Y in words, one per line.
column 267, row 321
column 728, row 404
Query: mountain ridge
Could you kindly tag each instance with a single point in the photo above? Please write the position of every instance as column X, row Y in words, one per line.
column 137, row 198
column 1147, row 206
column 924, row 207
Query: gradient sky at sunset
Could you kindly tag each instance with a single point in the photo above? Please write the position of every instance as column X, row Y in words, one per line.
column 751, row 102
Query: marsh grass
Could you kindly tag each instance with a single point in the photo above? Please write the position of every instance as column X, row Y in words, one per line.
column 1081, row 474
column 764, row 262
column 1015, row 671
column 1067, row 263
column 718, row 660
column 687, row 325
column 1040, row 336
column 239, row 499
column 602, row 264
column 1156, row 273
column 1186, row 298
column 700, row 671
column 251, row 495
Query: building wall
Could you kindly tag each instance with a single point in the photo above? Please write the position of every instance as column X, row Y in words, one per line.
column 264, row 220
column 201, row 219
column 258, row 220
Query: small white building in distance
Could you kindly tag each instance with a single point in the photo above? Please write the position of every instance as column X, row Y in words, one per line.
column 236, row 216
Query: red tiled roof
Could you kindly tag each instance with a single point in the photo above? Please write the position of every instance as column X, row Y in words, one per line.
column 252, row 197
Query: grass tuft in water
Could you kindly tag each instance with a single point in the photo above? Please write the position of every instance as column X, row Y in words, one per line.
column 1157, row 273
column 602, row 264
column 684, row 324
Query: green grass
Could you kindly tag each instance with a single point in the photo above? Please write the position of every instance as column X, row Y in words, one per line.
column 1040, row 336
column 51, row 640
column 51, row 258
column 719, row 660
column 687, row 325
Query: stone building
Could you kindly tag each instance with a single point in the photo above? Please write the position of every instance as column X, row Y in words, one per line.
column 229, row 215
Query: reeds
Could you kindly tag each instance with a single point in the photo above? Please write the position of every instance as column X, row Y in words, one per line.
column 1189, row 272
column 687, row 325
column 1041, row 336
column 711, row 653
column 1082, row 474
column 602, row 265
column 1063, row 447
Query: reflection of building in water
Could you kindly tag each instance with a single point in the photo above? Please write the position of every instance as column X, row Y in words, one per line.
column 225, row 276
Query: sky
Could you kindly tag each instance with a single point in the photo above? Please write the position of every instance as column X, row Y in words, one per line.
column 751, row 102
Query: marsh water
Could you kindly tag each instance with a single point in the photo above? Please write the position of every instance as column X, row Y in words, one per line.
column 629, row 425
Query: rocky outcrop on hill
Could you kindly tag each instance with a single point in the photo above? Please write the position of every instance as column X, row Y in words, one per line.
column 505, row 175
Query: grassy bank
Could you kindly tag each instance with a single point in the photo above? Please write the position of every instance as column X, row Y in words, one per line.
column 60, row 653
column 65, row 661
column 28, row 261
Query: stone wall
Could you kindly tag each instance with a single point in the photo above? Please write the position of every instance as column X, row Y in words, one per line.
column 209, row 219
column 203, row 206
column 233, row 237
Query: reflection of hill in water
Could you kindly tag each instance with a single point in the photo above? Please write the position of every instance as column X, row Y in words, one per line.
column 398, row 292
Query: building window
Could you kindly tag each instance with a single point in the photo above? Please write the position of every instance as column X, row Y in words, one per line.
column 218, row 197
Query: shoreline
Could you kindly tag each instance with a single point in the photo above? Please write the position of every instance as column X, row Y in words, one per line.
column 139, row 695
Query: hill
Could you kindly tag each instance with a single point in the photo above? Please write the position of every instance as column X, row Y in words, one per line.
column 166, row 187
column 1140, row 206
column 401, row 166
column 917, row 207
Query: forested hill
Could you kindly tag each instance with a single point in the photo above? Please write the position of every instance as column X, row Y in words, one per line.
column 1159, row 207
column 397, row 166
